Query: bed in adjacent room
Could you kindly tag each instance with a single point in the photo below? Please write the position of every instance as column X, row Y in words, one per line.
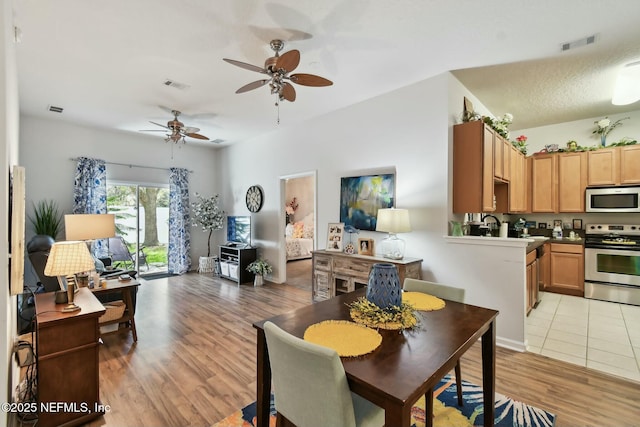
column 299, row 237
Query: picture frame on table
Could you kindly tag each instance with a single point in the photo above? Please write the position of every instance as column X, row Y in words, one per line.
column 557, row 223
column 577, row 224
column 542, row 225
column 365, row 247
column 335, row 231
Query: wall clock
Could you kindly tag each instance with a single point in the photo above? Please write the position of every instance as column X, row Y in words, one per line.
column 254, row 198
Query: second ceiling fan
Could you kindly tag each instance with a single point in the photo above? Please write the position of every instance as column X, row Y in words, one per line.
column 277, row 68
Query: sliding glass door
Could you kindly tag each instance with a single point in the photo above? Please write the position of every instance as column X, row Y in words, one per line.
column 142, row 225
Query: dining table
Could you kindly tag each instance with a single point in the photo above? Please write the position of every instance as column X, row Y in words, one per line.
column 407, row 364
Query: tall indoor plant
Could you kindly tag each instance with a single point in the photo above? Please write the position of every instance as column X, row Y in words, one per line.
column 207, row 214
column 47, row 225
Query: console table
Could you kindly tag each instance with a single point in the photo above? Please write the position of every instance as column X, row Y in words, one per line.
column 67, row 360
column 337, row 272
column 124, row 288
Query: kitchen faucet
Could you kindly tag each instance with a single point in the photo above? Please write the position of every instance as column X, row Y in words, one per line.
column 491, row 216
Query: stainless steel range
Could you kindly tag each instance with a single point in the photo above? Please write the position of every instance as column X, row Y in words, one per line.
column 612, row 263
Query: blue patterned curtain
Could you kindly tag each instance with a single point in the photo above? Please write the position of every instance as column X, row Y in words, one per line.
column 90, row 194
column 179, row 236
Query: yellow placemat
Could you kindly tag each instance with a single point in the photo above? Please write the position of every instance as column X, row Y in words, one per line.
column 423, row 302
column 347, row 338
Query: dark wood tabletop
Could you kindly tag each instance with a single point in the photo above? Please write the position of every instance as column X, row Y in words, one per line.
column 407, row 363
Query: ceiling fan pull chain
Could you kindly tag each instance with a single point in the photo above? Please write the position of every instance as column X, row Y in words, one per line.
column 278, row 107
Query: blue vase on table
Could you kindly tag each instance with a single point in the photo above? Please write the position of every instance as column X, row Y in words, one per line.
column 384, row 288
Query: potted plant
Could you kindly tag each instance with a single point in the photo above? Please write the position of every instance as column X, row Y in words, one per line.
column 259, row 268
column 47, row 224
column 207, row 214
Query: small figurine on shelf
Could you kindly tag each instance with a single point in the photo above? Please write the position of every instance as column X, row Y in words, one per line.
column 349, row 248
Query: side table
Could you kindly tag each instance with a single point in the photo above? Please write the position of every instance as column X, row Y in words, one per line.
column 127, row 321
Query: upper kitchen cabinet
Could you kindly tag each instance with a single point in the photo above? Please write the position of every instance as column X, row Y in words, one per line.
column 544, row 175
column 517, row 181
column 501, row 157
column 473, row 170
column 558, row 182
column 572, row 181
column 629, row 164
column 614, row 166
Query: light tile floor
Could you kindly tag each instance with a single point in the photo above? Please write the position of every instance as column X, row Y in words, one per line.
column 600, row 335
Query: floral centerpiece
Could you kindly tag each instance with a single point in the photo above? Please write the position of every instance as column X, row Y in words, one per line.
column 290, row 209
column 367, row 313
column 521, row 144
column 207, row 214
column 604, row 127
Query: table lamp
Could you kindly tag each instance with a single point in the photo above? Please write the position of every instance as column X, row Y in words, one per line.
column 68, row 258
column 393, row 221
column 90, row 227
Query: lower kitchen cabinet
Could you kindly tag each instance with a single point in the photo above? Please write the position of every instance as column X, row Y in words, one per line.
column 336, row 272
column 532, row 280
column 544, row 266
column 567, row 269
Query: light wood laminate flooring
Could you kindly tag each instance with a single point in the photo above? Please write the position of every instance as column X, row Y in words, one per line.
column 194, row 362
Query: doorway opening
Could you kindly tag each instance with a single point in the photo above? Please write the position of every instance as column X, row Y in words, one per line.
column 298, row 196
column 142, row 226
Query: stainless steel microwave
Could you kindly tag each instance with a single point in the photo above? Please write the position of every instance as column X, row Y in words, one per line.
column 613, row 199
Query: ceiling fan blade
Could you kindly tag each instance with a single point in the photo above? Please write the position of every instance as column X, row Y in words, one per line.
column 288, row 92
column 252, row 85
column 245, row 65
column 309, row 80
column 152, row 130
column 158, row 124
column 189, row 129
column 196, row 135
column 289, row 60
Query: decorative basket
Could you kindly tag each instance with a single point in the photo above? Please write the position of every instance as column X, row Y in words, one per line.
column 115, row 310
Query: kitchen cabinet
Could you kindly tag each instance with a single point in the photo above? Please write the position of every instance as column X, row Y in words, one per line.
column 501, row 157
column 473, row 168
column 517, row 183
column 558, row 182
column 567, row 269
column 629, row 164
column 572, row 181
column 544, row 177
column 532, row 280
column 603, row 167
column 544, row 266
column 336, row 272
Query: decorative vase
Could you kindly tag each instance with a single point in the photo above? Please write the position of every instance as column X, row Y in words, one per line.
column 383, row 288
column 603, row 139
column 258, row 280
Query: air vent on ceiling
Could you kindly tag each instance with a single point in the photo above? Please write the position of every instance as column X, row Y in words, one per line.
column 175, row 84
column 582, row 42
column 218, row 141
column 55, row 109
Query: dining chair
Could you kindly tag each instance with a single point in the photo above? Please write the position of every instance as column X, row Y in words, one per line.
column 444, row 292
column 310, row 385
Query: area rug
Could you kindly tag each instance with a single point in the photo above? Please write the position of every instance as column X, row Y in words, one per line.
column 509, row 412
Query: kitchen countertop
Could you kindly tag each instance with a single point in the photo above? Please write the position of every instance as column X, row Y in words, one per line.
column 535, row 243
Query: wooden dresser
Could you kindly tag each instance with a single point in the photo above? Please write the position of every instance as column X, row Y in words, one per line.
column 67, row 349
column 337, row 272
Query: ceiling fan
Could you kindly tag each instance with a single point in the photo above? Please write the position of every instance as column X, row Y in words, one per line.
column 277, row 68
column 177, row 130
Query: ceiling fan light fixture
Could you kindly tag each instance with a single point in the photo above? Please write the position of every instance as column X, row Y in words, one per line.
column 627, row 88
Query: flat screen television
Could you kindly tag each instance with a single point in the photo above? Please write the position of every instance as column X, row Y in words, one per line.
column 239, row 230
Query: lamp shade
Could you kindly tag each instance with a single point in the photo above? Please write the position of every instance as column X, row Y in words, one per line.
column 89, row 226
column 393, row 220
column 67, row 258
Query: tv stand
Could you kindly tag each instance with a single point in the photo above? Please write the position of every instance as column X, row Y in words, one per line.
column 234, row 261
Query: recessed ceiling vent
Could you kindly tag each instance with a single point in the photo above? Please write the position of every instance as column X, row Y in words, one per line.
column 218, row 141
column 175, row 84
column 582, row 42
column 55, row 109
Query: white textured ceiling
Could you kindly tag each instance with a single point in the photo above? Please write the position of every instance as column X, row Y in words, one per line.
column 105, row 62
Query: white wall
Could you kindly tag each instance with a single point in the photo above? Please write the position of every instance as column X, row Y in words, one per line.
column 47, row 146
column 9, row 119
column 409, row 131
